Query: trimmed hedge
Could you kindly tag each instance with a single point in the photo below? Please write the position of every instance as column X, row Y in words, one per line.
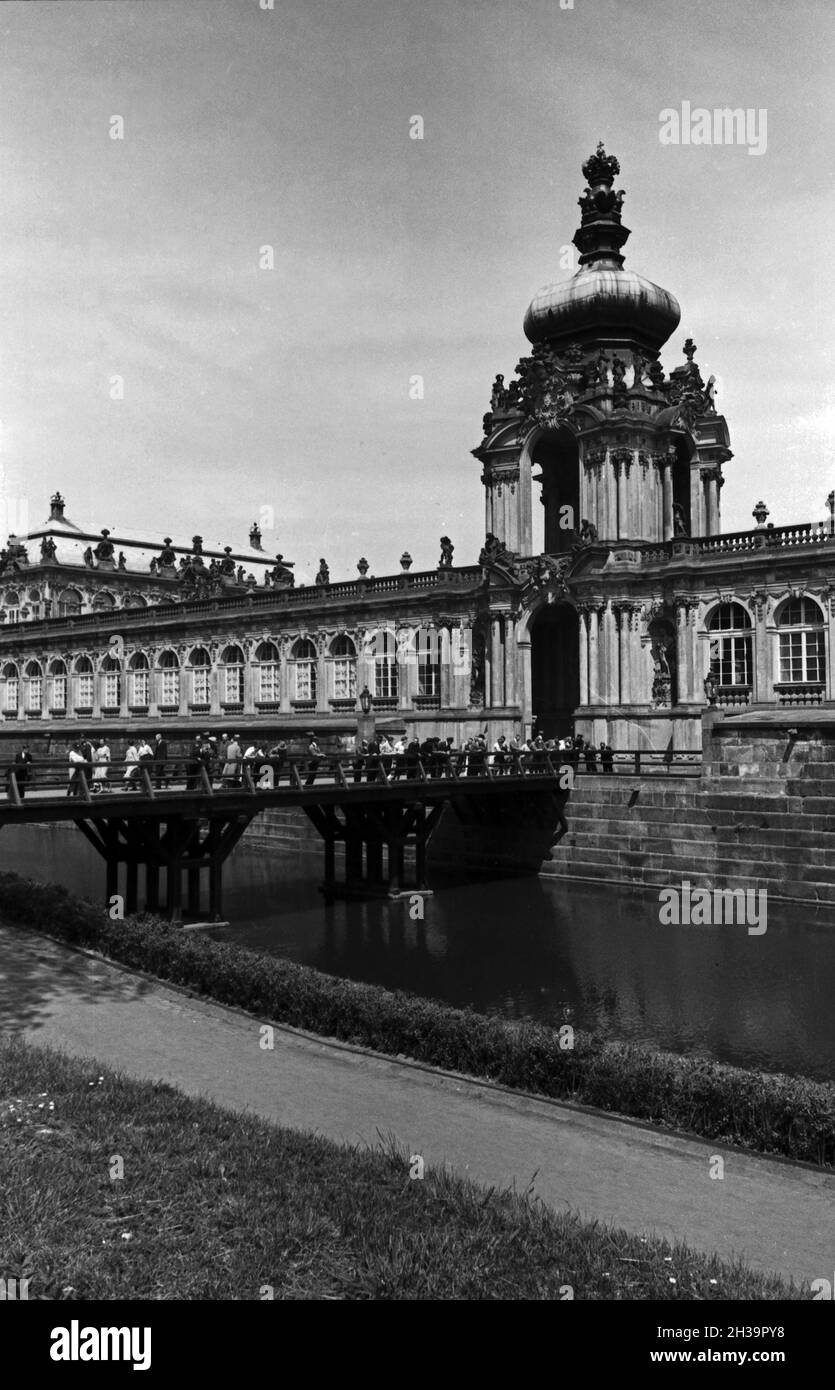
column 778, row 1114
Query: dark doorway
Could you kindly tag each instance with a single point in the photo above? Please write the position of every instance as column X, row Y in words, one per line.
column 555, row 670
column 681, row 493
column 557, row 460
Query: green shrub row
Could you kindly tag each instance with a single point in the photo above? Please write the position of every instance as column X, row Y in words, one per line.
column 785, row 1115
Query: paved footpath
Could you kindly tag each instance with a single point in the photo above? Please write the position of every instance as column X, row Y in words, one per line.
column 777, row 1216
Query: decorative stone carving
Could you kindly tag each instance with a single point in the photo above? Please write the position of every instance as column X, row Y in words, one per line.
column 618, row 375
column 495, row 552
column 447, row 549
column 622, row 456
column 323, row 574
column 104, row 550
column 546, row 393
column 167, row 558
column 543, row 573
column 498, row 397
column 48, row 550
column 477, row 669
column 281, row 574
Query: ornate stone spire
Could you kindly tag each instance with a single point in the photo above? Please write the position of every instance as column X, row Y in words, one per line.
column 601, row 233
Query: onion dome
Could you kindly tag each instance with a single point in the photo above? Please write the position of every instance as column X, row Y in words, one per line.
column 602, row 299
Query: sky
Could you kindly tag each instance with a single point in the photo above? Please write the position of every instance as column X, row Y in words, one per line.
column 282, row 394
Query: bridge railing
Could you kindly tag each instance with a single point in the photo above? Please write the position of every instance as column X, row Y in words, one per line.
column 90, row 779
column 152, row 777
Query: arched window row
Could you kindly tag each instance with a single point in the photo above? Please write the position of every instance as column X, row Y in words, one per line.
column 302, row 672
column 795, row 664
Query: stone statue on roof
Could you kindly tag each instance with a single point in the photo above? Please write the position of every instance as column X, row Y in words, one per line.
column 282, row 573
column 104, row 550
column 48, row 549
column 167, row 557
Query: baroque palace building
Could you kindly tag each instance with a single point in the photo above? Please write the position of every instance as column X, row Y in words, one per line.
column 637, row 616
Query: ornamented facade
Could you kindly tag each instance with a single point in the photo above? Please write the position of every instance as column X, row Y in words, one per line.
column 638, row 613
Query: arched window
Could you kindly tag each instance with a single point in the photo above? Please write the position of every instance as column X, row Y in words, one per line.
column 138, row 681
column 386, row 675
column 11, row 603
column 200, row 666
column 268, row 674
column 305, row 669
column 232, row 666
column 134, row 601
column 802, row 639
column 169, row 680
column 343, row 655
column 731, row 644
column 11, row 688
column 103, row 602
column 69, row 603
column 34, row 691
column 83, row 684
column 427, row 644
column 57, row 686
column 111, row 692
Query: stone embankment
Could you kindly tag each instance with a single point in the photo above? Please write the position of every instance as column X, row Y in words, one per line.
column 761, row 815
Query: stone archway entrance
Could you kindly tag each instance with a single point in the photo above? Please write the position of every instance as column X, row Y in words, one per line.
column 555, row 669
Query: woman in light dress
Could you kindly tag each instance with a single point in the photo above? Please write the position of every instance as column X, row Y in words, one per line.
column 131, row 776
column 101, row 761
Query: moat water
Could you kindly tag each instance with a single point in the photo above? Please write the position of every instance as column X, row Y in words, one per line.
column 591, row 955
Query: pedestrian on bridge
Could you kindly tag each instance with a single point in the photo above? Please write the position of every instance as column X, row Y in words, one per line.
column 360, row 755
column 22, row 763
column 101, row 762
column 372, row 761
column 131, row 776
column 278, row 757
column 160, row 752
column 232, row 766
column 76, row 762
column 500, row 752
column 314, row 754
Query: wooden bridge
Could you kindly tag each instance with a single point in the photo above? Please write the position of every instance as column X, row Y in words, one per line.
column 178, row 819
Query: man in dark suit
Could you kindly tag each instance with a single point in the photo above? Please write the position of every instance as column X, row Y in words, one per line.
column 160, row 754
column 22, row 761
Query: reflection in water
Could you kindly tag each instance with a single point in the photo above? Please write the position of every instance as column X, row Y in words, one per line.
column 530, row 948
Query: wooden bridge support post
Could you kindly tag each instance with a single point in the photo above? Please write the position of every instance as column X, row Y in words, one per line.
column 420, row 848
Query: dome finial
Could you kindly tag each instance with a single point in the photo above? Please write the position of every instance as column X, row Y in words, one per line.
column 600, row 234
column 601, row 167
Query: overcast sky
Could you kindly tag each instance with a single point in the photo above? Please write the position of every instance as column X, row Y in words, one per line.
column 247, row 388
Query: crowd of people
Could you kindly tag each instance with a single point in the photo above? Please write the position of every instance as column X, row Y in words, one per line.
column 439, row 757
column 222, row 761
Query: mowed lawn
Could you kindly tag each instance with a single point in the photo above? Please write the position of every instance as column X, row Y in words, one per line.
column 213, row 1205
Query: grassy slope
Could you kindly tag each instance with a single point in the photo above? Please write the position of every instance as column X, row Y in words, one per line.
column 218, row 1206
